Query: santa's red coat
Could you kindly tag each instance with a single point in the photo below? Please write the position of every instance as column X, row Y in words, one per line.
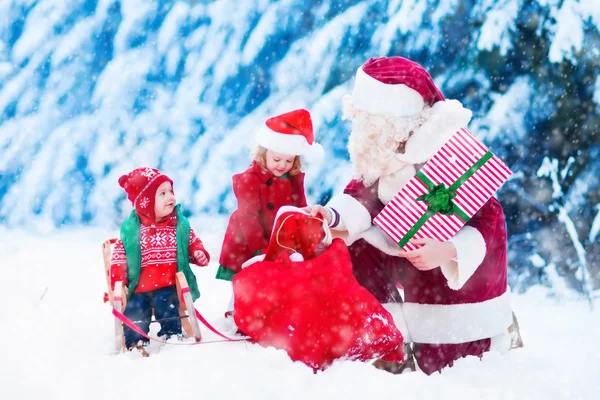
column 259, row 195
column 315, row 310
column 434, row 312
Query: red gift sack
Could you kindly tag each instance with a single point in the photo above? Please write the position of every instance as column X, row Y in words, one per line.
column 314, row 309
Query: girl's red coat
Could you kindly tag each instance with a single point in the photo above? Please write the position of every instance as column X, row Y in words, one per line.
column 259, row 195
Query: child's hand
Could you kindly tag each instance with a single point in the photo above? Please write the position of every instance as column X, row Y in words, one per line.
column 314, row 210
column 430, row 255
column 200, row 258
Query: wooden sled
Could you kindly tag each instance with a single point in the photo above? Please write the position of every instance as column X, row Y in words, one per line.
column 118, row 299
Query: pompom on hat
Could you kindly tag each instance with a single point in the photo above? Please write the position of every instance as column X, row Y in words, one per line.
column 141, row 185
column 394, row 86
column 291, row 133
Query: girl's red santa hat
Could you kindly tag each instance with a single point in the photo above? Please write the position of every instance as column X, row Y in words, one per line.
column 291, row 133
column 141, row 185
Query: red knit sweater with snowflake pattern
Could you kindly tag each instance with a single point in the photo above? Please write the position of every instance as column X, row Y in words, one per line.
column 159, row 256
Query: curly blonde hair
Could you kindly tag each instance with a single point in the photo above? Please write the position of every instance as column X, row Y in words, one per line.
column 259, row 154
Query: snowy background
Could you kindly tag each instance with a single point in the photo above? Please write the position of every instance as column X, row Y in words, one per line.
column 90, row 89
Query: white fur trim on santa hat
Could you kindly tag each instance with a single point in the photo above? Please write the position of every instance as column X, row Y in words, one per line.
column 445, row 118
column 376, row 97
column 458, row 323
column 470, row 252
column 291, row 144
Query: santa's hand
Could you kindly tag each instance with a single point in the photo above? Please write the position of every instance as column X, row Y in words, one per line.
column 431, row 253
column 200, row 258
column 316, row 209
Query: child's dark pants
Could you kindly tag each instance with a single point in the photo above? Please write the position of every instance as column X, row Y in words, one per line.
column 139, row 308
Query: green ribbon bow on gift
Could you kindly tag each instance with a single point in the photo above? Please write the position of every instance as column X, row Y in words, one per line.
column 439, row 198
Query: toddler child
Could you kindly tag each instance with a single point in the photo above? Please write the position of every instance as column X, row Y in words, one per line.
column 156, row 242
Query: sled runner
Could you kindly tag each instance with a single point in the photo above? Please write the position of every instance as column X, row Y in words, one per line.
column 118, row 299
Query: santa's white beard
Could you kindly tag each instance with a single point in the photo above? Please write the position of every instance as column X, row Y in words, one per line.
column 375, row 141
column 368, row 157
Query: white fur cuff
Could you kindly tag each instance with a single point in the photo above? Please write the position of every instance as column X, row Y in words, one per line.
column 458, row 323
column 470, row 252
column 354, row 217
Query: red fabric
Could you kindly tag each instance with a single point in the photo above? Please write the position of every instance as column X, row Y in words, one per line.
column 375, row 271
column 315, row 310
column 433, row 357
column 297, row 122
column 141, row 185
column 159, row 256
column 295, row 232
column 399, row 70
column 259, row 195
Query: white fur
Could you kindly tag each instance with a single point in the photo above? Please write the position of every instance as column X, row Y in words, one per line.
column 380, row 240
column 377, row 97
column 445, row 119
column 290, row 144
column 458, row 323
column 390, row 185
column 354, row 217
column 253, row 260
column 470, row 252
column 398, row 315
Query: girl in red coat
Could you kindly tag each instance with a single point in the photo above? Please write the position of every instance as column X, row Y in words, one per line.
column 156, row 242
column 273, row 180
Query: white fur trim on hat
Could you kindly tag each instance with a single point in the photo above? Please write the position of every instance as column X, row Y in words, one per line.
column 291, row 144
column 376, row 97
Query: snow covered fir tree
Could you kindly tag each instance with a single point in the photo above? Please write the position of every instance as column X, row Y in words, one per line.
column 87, row 85
column 91, row 89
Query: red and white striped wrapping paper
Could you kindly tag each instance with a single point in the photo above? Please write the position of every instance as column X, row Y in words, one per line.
column 461, row 152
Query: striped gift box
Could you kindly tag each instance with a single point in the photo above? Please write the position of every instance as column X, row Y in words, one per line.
column 463, row 170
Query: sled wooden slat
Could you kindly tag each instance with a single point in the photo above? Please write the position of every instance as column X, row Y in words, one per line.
column 186, row 307
column 118, row 305
column 106, row 255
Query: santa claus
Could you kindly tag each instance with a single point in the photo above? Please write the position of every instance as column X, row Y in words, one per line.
column 456, row 300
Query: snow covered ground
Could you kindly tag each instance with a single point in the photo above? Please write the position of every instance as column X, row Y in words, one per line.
column 57, row 343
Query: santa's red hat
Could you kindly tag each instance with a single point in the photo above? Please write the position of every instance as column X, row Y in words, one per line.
column 141, row 185
column 394, row 86
column 291, row 133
